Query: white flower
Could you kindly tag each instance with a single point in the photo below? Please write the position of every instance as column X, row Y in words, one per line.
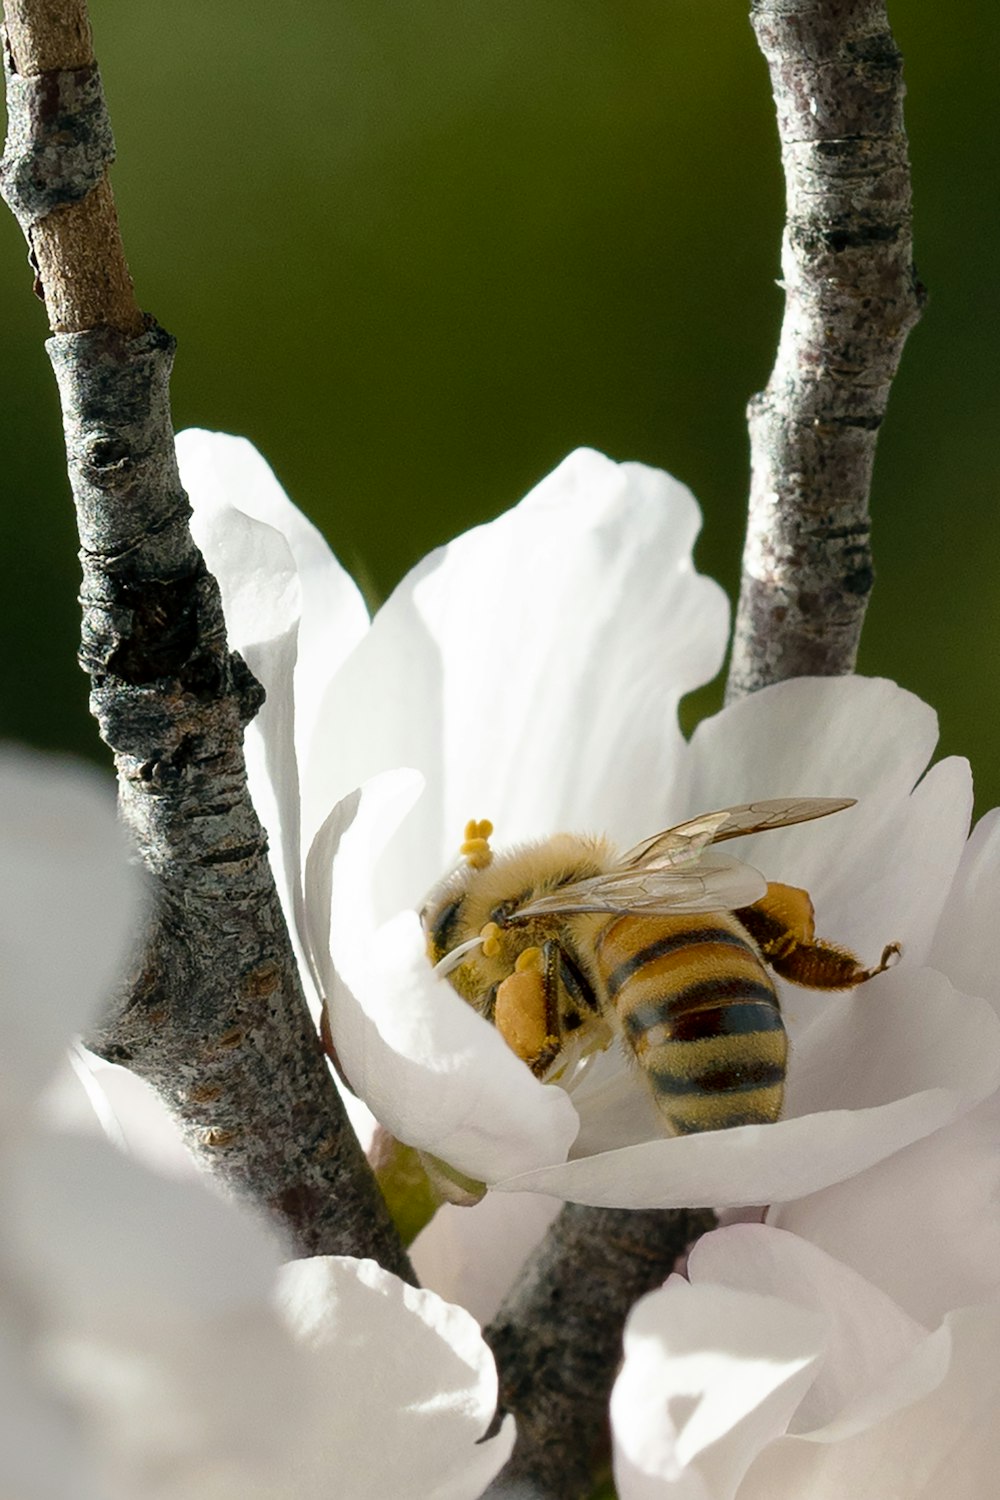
column 776, row 1372
column 943, row 1192
column 782, row 1371
column 530, row 673
column 152, row 1344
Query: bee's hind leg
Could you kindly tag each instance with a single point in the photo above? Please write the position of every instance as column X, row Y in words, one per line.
column 526, row 1012
column 782, row 924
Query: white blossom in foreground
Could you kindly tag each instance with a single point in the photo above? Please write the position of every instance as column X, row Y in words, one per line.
column 530, row 673
column 924, row 1225
column 152, row 1343
column 777, row 1372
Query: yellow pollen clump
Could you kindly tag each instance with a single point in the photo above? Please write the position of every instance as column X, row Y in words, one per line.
column 476, row 845
column 490, row 935
column 528, row 958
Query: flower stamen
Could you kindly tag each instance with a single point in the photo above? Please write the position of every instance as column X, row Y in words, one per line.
column 475, row 847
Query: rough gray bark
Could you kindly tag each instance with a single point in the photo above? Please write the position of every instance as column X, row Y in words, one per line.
column 558, row 1339
column 216, row 1019
column 851, row 297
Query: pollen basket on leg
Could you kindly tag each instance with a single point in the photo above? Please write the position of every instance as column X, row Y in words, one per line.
column 520, row 1014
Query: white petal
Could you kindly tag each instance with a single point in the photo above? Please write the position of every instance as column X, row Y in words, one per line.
column 710, row 1376
column 878, row 872
column 152, row 1300
column 431, row 1070
column 945, row 1443
column 209, row 1407
column 531, row 671
column 904, row 1034
column 236, row 502
column 888, row 1066
column 473, row 1255
column 924, row 1226
column 43, row 1453
column 966, row 944
column 814, row 737
column 271, row 565
column 89, row 1096
column 897, row 1409
column 109, row 1242
column 69, row 904
column 411, row 1387
column 228, row 473
column 867, row 1334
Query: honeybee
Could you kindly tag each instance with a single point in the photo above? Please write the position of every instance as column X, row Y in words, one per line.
column 565, row 944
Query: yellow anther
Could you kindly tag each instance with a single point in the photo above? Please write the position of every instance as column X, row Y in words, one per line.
column 490, row 935
column 528, row 958
column 477, row 853
column 476, row 846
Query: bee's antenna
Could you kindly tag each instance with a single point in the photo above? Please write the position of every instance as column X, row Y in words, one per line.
column 454, row 958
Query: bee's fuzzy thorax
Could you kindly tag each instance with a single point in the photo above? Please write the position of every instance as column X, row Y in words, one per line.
column 470, row 898
column 528, row 870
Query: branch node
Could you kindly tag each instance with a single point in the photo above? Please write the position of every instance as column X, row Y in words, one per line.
column 59, row 144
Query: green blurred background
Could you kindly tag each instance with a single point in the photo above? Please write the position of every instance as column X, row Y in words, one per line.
column 419, row 249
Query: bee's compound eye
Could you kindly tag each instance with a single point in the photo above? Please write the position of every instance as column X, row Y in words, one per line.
column 500, row 913
column 440, row 927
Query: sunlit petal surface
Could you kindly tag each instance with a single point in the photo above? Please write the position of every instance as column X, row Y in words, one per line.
column 432, row 1372
column 876, row 1404
column 143, row 1353
column 69, row 903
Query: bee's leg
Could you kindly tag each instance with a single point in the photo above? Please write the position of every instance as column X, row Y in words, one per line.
column 782, row 924
column 526, row 1011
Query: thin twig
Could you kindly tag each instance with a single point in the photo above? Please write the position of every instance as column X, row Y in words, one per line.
column 851, row 297
column 216, row 1020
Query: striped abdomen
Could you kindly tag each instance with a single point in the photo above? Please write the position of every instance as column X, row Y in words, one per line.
column 699, row 1010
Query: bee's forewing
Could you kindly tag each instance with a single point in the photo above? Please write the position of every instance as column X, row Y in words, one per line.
column 718, row 884
column 677, row 846
column 781, row 812
column 674, row 872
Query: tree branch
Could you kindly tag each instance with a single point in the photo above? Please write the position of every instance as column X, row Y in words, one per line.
column 851, row 297
column 216, row 1020
column 558, row 1338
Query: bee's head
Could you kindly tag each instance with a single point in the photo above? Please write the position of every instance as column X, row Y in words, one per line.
column 472, row 914
column 442, row 913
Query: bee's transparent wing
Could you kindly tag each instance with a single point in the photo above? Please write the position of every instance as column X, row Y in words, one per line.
column 715, row 883
column 675, row 871
column 680, row 845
